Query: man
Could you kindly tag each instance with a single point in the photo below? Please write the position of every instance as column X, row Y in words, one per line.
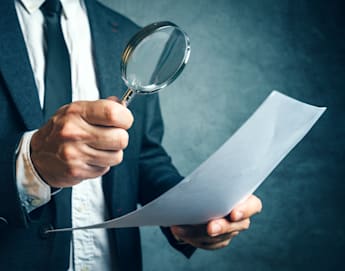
column 88, row 161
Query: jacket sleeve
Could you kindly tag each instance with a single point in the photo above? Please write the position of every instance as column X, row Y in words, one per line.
column 12, row 213
column 33, row 191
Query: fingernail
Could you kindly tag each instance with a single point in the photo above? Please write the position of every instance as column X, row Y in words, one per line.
column 238, row 215
column 215, row 229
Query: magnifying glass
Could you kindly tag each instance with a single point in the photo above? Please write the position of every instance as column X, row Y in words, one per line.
column 154, row 58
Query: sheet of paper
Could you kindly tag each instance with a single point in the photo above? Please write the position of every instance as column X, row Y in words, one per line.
column 233, row 172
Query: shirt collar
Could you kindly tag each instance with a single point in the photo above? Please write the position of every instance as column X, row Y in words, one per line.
column 32, row 5
column 68, row 6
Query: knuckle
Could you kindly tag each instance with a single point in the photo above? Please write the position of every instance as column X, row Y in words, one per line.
column 67, row 131
column 246, row 224
column 117, row 114
column 70, row 131
column 67, row 153
column 123, row 139
column 110, row 111
column 73, row 173
column 72, row 108
column 55, row 120
column 118, row 157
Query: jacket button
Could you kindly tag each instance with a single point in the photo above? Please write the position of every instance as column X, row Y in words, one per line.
column 42, row 231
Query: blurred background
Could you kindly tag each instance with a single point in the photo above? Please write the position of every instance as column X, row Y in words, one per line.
column 241, row 51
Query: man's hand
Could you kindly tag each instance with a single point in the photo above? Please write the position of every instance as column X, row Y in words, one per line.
column 81, row 141
column 219, row 232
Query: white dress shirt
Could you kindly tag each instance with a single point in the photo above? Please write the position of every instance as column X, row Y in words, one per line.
column 90, row 248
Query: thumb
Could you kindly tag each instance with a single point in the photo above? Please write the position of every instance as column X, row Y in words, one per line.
column 116, row 99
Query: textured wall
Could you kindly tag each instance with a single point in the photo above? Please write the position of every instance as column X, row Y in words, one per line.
column 241, row 50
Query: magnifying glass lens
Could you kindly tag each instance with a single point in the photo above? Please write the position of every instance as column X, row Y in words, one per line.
column 154, row 57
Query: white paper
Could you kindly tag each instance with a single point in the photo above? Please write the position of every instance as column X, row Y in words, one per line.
column 233, row 172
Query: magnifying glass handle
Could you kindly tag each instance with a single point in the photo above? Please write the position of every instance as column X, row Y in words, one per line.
column 128, row 96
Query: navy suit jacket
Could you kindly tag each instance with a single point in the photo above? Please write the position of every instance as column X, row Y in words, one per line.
column 145, row 172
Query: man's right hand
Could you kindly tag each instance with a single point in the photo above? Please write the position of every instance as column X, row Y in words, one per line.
column 81, row 141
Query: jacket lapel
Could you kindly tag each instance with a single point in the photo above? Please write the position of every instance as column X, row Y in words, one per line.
column 110, row 34
column 16, row 69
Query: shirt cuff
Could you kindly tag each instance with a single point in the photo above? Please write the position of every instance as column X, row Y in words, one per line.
column 33, row 191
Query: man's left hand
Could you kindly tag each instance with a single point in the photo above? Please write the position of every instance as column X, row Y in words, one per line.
column 218, row 233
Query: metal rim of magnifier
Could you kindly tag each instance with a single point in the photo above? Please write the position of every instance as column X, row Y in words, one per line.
column 139, row 37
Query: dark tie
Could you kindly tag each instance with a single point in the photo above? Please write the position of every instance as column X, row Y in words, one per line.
column 57, row 77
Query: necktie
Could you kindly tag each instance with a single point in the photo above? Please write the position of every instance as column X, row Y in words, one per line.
column 57, row 77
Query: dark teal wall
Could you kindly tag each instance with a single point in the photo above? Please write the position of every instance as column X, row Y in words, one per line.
column 241, row 50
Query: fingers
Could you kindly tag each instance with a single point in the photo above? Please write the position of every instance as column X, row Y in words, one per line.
column 183, row 232
column 107, row 139
column 103, row 158
column 219, row 232
column 214, row 235
column 239, row 217
column 97, row 137
column 222, row 226
column 101, row 124
column 212, row 243
column 106, row 112
column 199, row 232
column 246, row 209
column 198, row 237
column 81, row 141
column 70, row 153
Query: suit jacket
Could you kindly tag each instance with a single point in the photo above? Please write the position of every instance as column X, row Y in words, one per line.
column 145, row 172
